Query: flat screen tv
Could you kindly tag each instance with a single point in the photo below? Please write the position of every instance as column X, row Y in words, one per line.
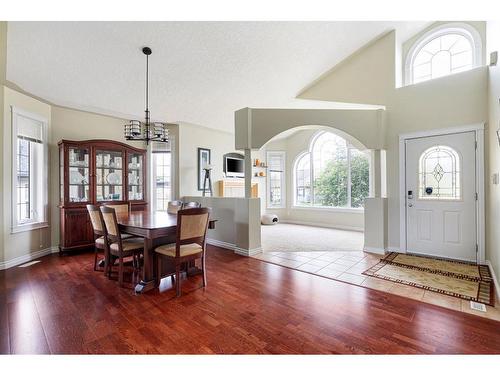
column 235, row 167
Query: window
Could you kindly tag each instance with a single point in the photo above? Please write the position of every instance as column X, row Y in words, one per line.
column 333, row 173
column 439, row 174
column 162, row 167
column 276, row 179
column 29, row 179
column 444, row 50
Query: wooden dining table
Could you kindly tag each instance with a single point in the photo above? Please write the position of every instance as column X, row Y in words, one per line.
column 157, row 228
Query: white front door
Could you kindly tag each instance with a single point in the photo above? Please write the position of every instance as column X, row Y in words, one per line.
column 441, row 196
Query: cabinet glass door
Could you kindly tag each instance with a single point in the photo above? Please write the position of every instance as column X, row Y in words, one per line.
column 135, row 177
column 79, row 174
column 109, row 175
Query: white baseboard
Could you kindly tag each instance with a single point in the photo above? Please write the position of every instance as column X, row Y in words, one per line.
column 248, row 252
column 495, row 280
column 224, row 245
column 395, row 250
column 233, row 247
column 374, row 250
column 28, row 257
column 322, row 225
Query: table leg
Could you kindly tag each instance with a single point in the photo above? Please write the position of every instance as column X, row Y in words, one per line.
column 148, row 281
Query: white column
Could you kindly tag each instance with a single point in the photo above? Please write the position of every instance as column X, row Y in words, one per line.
column 248, row 173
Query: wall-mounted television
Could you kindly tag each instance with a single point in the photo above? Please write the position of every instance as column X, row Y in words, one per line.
column 235, row 167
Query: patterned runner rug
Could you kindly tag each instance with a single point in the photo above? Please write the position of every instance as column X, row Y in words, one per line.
column 459, row 279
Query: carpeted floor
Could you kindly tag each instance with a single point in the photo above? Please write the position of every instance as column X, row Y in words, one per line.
column 293, row 238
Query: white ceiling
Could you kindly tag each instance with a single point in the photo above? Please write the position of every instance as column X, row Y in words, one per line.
column 200, row 72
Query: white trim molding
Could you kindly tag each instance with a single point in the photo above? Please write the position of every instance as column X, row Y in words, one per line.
column 478, row 129
column 233, row 247
column 495, row 280
column 323, row 225
column 28, row 257
column 374, row 250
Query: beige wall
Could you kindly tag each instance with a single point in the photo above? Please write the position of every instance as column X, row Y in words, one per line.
column 493, row 154
column 460, row 99
column 23, row 243
column 190, row 138
column 3, row 64
column 77, row 125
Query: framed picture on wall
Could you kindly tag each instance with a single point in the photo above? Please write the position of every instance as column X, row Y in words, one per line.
column 203, row 159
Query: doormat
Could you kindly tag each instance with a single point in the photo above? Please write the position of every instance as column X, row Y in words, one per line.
column 464, row 280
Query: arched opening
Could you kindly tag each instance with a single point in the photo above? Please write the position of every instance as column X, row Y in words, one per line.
column 317, row 180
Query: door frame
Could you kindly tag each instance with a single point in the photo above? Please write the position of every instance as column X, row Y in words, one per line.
column 478, row 129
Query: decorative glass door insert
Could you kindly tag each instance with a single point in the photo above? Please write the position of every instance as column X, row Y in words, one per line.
column 79, row 174
column 109, row 175
column 135, row 177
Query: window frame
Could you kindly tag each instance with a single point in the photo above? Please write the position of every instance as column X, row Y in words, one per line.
column 463, row 29
column 309, row 153
column 282, row 154
column 41, row 221
column 154, row 176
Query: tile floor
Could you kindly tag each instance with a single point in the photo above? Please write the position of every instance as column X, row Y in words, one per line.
column 348, row 266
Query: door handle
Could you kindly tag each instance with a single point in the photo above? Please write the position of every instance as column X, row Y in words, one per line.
column 410, row 204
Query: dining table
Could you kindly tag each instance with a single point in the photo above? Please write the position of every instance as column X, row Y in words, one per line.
column 157, row 228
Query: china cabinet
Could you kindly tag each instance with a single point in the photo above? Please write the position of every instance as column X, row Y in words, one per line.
column 96, row 172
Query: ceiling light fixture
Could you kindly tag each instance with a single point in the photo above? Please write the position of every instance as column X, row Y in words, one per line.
column 146, row 131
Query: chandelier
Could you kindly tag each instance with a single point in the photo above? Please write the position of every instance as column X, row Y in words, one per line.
column 146, row 131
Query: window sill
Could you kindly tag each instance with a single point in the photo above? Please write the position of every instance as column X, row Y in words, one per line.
column 330, row 209
column 28, row 226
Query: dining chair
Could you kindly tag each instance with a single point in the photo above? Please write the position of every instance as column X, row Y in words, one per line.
column 99, row 232
column 191, row 205
column 119, row 208
column 118, row 247
column 190, row 244
column 174, row 206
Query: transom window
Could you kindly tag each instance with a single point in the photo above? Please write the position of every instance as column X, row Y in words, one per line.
column 439, row 174
column 443, row 51
column 333, row 173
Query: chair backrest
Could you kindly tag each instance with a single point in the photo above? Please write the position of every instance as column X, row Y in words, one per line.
column 120, row 208
column 111, row 223
column 191, row 205
column 192, row 227
column 96, row 219
column 174, row 207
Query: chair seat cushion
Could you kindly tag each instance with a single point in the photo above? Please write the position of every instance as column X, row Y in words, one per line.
column 169, row 249
column 100, row 241
column 129, row 244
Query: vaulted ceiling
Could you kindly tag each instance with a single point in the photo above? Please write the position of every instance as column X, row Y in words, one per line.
column 200, row 72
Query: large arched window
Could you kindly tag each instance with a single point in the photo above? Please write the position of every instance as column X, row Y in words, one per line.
column 333, row 173
column 444, row 50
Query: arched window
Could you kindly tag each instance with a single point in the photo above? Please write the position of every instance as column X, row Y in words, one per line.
column 439, row 174
column 444, row 50
column 333, row 173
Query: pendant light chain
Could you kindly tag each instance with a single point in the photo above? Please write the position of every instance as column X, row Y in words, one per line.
column 138, row 131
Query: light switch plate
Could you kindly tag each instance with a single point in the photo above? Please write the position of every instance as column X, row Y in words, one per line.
column 495, row 178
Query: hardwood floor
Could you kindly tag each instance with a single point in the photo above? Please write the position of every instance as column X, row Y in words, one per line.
column 61, row 305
